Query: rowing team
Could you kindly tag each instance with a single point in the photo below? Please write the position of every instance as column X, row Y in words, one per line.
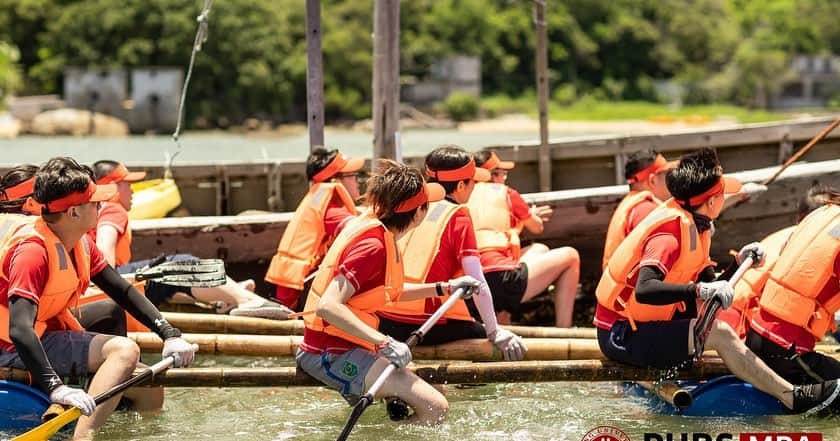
column 354, row 321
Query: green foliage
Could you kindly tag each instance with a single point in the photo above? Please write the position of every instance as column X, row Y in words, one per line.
column 10, row 75
column 461, row 106
column 254, row 63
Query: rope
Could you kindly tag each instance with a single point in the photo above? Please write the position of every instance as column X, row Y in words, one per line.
column 200, row 38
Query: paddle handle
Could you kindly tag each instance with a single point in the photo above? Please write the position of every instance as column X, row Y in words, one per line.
column 704, row 325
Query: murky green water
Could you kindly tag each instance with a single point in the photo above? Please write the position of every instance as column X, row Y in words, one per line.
column 527, row 411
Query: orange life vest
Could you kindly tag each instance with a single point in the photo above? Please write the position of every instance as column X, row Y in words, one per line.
column 618, row 222
column 419, row 247
column 123, row 249
column 748, row 289
column 302, row 245
column 801, row 272
column 65, row 282
column 364, row 305
column 614, row 292
column 489, row 207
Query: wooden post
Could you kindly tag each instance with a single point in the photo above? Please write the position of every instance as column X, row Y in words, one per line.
column 314, row 75
column 542, row 93
column 386, row 77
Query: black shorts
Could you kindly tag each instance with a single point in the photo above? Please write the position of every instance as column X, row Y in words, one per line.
column 103, row 317
column 659, row 345
column 450, row 331
column 807, row 368
column 508, row 288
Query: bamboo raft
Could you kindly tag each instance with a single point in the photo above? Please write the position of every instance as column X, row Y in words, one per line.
column 226, row 324
column 539, row 349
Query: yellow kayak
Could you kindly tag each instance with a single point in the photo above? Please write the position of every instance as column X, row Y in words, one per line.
column 153, row 199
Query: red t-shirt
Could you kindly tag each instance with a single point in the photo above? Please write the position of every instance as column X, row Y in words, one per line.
column 785, row 334
column 363, row 265
column 495, row 260
column 335, row 218
column 638, row 213
column 661, row 250
column 28, row 270
column 456, row 242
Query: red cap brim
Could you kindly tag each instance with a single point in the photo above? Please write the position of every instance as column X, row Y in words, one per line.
column 506, row 165
column 104, row 192
column 435, row 192
column 353, row 165
column 134, row 176
column 731, row 185
column 481, row 175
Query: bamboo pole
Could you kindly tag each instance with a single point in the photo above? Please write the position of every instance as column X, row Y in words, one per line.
column 286, row 345
column 227, row 324
column 669, row 392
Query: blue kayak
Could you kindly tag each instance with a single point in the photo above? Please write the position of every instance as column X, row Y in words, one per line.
column 722, row 396
column 21, row 406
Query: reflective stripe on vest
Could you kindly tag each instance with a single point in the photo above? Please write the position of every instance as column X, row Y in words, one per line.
column 748, row 289
column 615, row 294
column 489, row 207
column 801, row 272
column 363, row 304
column 302, row 244
column 618, row 222
column 65, row 281
column 419, row 248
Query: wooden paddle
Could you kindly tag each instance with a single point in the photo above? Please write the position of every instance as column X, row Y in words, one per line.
column 704, row 324
column 67, row 416
column 412, row 341
column 804, row 150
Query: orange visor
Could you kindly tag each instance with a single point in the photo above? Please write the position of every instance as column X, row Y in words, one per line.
column 22, row 190
column 430, row 192
column 659, row 164
column 94, row 193
column 723, row 186
column 467, row 171
column 339, row 164
column 493, row 162
column 121, row 174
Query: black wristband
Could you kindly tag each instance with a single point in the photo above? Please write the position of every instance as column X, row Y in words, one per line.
column 165, row 330
column 439, row 288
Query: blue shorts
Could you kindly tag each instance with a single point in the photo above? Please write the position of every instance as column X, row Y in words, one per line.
column 343, row 372
column 67, row 352
column 659, row 345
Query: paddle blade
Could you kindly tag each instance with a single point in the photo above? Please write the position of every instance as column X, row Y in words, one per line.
column 48, row 429
column 358, row 409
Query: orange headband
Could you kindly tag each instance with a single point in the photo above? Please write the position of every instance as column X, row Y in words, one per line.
column 120, row 173
column 467, row 171
column 654, row 167
column 332, row 168
column 493, row 162
column 413, row 202
column 25, row 188
column 71, row 200
column 716, row 189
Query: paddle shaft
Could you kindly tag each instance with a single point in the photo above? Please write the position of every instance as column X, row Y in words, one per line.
column 804, row 150
column 704, row 325
column 412, row 341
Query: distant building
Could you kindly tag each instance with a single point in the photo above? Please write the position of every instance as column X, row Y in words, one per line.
column 154, row 97
column 811, row 82
column 452, row 74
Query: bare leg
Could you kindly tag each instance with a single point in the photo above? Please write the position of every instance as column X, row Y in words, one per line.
column 231, row 293
column 145, row 399
column 430, row 406
column 113, row 359
column 560, row 266
column 746, row 365
column 535, row 249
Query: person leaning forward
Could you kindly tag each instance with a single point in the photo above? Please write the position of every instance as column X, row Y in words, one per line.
column 647, row 297
column 361, row 272
column 444, row 247
column 46, row 263
column 330, row 202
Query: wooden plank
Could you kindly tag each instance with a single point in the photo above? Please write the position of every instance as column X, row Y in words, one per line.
column 314, row 75
column 542, row 93
column 386, row 78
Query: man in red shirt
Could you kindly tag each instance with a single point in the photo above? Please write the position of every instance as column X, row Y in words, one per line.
column 513, row 278
column 334, row 186
column 113, row 237
column 647, row 297
column 45, row 264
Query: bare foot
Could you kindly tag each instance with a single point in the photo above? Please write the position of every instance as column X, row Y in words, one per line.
column 248, row 284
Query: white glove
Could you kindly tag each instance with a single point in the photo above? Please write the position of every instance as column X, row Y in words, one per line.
column 511, row 345
column 468, row 283
column 182, row 350
column 756, row 250
column 395, row 351
column 720, row 289
column 69, row 396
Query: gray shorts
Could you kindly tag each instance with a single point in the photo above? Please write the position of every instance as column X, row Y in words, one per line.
column 67, row 352
column 345, row 372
